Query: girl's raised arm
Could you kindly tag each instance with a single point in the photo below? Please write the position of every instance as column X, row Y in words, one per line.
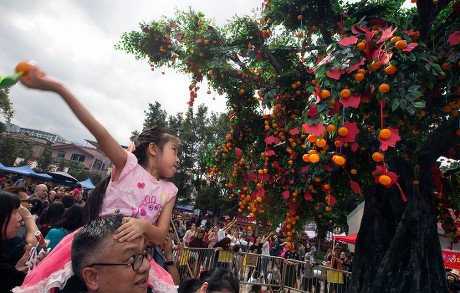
column 37, row 79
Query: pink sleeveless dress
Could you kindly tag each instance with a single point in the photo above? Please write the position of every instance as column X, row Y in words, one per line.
column 136, row 194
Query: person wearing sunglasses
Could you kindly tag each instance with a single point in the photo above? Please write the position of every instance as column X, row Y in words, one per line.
column 102, row 264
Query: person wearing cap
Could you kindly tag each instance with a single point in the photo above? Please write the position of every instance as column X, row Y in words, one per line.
column 309, row 280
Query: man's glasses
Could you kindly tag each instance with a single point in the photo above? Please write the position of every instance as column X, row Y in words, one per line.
column 135, row 261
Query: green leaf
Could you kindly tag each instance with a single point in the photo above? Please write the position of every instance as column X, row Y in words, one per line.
column 419, row 104
column 394, row 105
column 9, row 80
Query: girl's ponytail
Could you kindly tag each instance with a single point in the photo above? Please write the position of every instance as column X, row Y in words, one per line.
column 93, row 206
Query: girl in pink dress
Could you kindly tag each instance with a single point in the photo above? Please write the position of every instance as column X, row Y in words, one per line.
column 136, row 190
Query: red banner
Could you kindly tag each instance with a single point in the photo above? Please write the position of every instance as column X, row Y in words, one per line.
column 451, row 259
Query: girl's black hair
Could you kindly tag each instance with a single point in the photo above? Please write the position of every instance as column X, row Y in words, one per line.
column 54, row 214
column 155, row 134
column 93, row 205
column 72, row 218
column 68, row 201
column 9, row 203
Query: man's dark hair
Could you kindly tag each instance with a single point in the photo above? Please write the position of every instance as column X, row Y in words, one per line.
column 90, row 241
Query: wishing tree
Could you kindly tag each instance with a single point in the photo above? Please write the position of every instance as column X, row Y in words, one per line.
column 327, row 101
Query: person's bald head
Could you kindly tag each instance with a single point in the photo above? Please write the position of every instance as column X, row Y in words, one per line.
column 41, row 191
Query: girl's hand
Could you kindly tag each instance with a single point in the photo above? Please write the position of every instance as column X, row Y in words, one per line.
column 37, row 79
column 131, row 229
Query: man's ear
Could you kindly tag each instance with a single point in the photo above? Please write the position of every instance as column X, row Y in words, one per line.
column 91, row 278
column 204, row 288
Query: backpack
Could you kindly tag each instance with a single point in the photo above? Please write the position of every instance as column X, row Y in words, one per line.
column 244, row 248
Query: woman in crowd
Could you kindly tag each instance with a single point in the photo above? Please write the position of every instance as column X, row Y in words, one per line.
column 72, row 219
column 11, row 275
column 51, row 216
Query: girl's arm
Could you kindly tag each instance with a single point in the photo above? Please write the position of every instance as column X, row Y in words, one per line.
column 133, row 228
column 39, row 80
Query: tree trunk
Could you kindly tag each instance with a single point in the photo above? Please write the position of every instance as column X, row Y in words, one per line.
column 398, row 247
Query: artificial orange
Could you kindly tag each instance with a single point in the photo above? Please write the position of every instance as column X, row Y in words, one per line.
column 385, row 133
column 314, row 158
column 384, row 88
column 330, row 128
column 377, row 157
column 385, row 180
column 395, row 39
column 359, row 77
column 345, row 93
column 24, row 67
column 320, row 142
column 401, row 44
column 343, row 131
column 390, row 69
column 325, row 94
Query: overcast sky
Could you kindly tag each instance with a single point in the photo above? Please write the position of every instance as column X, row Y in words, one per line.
column 74, row 41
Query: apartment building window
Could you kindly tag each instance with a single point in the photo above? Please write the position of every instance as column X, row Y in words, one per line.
column 61, row 154
column 77, row 157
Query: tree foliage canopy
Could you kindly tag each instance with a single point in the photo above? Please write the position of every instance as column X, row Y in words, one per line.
column 325, row 98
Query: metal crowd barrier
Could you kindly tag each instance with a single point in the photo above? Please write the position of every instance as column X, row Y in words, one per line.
column 257, row 272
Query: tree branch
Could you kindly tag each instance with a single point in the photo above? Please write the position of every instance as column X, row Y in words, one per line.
column 442, row 139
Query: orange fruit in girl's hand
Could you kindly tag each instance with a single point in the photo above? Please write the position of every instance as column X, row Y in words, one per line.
column 24, row 67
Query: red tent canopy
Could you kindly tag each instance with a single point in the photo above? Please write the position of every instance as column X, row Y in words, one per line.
column 348, row 238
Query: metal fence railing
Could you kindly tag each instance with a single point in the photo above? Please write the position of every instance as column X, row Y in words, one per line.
column 257, row 272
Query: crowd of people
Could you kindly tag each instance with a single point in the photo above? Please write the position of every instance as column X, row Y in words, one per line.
column 118, row 238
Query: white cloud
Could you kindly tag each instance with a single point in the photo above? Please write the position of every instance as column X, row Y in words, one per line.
column 74, row 41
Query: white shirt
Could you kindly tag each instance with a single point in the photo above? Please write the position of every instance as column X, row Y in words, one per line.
column 220, row 234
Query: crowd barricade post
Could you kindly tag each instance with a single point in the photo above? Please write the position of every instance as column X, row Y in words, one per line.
column 273, row 274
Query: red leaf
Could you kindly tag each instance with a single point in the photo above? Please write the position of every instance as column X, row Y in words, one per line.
column 369, row 35
column 307, row 195
column 386, row 34
column 270, row 153
column 412, row 46
column 348, row 41
column 294, row 131
column 238, row 152
column 312, row 112
column 385, row 58
column 304, row 169
column 341, row 24
column 260, row 192
column 335, row 73
column 376, row 53
column 394, row 138
column 263, row 178
column 359, row 29
column 454, row 38
column 332, row 200
column 316, row 129
column 198, row 41
column 354, row 147
column 252, row 176
column 272, row 140
column 179, row 36
column 355, row 66
column 356, row 188
column 259, row 57
column 352, row 132
column 285, row 194
column 172, row 24
column 335, row 108
column 352, row 101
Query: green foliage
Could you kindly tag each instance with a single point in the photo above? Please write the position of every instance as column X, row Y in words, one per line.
column 44, row 161
column 12, row 148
